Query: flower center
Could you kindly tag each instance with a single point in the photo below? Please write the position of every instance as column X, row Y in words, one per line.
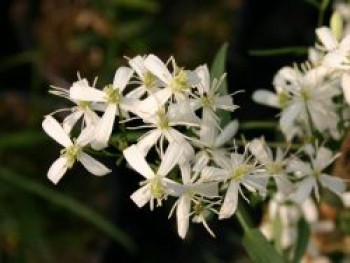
column 149, row 80
column 207, row 101
column 157, row 189
column 275, row 168
column 180, row 81
column 163, row 122
column 283, row 99
column 84, row 105
column 112, row 95
column 71, row 153
column 241, row 171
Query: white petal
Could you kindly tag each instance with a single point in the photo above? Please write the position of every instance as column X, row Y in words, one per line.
column 158, row 68
column 304, row 190
column 266, row 97
column 324, row 157
column 182, row 215
column 327, row 38
column 214, row 174
column 203, row 74
column 346, row 199
column 185, row 169
column 170, row 158
column 92, row 165
column 289, row 115
column 137, row 161
column 122, row 77
column 258, row 148
column 229, row 206
column 86, row 94
column 345, row 81
column 283, row 184
column 208, row 128
column 310, row 211
column 57, row 170
column 225, row 103
column 335, row 184
column 71, row 120
column 137, row 63
column 154, row 101
column 299, row 168
column 86, row 136
column 227, row 134
column 206, row 189
column 148, row 141
column 55, row 131
column 104, row 128
column 141, row 196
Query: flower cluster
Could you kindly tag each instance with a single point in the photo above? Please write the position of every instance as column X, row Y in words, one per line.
column 184, row 151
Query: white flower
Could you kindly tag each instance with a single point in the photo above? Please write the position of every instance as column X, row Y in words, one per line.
column 163, row 123
column 72, row 152
column 312, row 174
column 209, row 97
column 156, row 186
column 275, row 167
column 191, row 190
column 211, row 143
column 178, row 83
column 146, row 81
column 237, row 171
column 112, row 99
column 82, row 109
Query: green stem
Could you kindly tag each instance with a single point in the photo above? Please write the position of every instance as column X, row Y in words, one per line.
column 243, row 217
column 252, row 125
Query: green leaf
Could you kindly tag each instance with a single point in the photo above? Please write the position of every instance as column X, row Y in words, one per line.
column 218, row 68
column 259, row 249
column 302, row 241
column 68, row 203
column 293, row 50
column 22, row 139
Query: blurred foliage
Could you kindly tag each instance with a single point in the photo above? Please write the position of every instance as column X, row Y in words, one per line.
column 40, row 223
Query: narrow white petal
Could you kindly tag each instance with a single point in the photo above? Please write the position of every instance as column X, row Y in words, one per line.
column 324, row 157
column 284, row 186
column 158, row 68
column 327, row 38
column 92, row 165
column 170, row 158
column 55, row 131
column 229, row 206
column 57, row 170
column 148, row 141
column 225, row 103
column 214, row 174
column 289, row 115
column 183, row 214
column 299, row 168
column 203, row 74
column 104, row 128
column 229, row 131
column 86, row 94
column 137, row 161
column 310, row 211
column 141, row 196
column 71, row 120
column 208, row 128
column 154, row 101
column 304, row 190
column 137, row 63
column 266, row 97
column 173, row 188
column 122, row 77
column 90, row 117
column 336, row 185
column 185, row 169
column 258, row 148
column 86, row 135
column 207, row 189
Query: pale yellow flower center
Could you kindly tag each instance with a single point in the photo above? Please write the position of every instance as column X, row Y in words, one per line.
column 112, row 95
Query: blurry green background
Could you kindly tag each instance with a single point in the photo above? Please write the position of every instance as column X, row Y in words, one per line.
column 87, row 219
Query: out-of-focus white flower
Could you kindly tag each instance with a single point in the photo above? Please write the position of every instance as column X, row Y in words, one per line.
column 311, row 173
column 191, row 190
column 236, row 171
column 156, row 186
column 72, row 152
column 112, row 99
column 274, row 166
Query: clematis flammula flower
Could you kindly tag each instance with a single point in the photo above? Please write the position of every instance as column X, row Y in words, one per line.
column 72, row 152
column 237, row 171
column 307, row 101
column 177, row 84
column 274, row 166
column 211, row 143
column 82, row 109
column 209, row 97
column 146, row 81
column 156, row 186
column 163, row 125
column 112, row 100
column 191, row 191
column 311, row 174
